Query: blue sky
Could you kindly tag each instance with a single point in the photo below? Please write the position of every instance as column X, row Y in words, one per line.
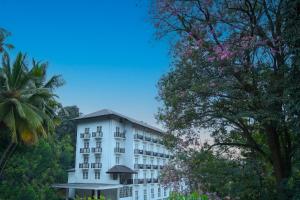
column 105, row 50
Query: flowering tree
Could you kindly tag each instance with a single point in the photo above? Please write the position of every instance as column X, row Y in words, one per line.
column 236, row 72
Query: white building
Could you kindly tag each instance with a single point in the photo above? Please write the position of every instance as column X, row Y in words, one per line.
column 117, row 157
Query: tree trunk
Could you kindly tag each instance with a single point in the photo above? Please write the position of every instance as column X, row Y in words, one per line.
column 5, row 156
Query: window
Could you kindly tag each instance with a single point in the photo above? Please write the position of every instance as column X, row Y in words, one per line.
column 86, row 144
column 144, row 160
column 117, row 145
column 165, row 191
column 85, row 158
column 118, row 129
column 152, row 193
column 136, row 160
column 152, row 174
column 136, row 145
column 158, row 191
column 136, row 176
column 145, row 174
column 85, row 174
column 158, row 161
column 145, row 194
column 97, row 174
column 97, row 159
column 115, row 176
column 152, row 161
column 86, row 130
column 136, row 195
column 99, row 128
column 117, row 160
column 98, row 144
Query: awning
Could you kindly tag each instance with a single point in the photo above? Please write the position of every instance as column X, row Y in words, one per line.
column 87, row 186
column 121, row 169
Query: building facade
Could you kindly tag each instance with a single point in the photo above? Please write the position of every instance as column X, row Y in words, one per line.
column 118, row 157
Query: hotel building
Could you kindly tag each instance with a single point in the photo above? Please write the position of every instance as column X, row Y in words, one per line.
column 117, row 157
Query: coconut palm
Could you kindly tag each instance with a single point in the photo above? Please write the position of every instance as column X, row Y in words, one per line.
column 3, row 45
column 27, row 103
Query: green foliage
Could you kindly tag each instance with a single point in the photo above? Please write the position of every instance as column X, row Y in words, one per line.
column 32, row 170
column 192, row 196
column 90, row 198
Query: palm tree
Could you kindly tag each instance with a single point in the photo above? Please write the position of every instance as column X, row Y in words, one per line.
column 3, row 45
column 28, row 104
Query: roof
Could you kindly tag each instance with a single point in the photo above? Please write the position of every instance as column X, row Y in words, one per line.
column 121, row 169
column 87, row 186
column 107, row 112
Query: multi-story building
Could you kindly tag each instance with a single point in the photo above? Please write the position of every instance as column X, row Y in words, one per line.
column 118, row 157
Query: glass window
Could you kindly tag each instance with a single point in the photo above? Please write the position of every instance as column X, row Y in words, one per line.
column 98, row 144
column 117, row 160
column 145, row 174
column 86, row 144
column 85, row 158
column 97, row 174
column 136, row 145
column 85, row 174
column 152, row 193
column 136, row 160
column 165, row 191
column 86, row 130
column 158, row 191
column 118, row 129
column 145, row 194
column 144, row 160
column 97, row 159
column 117, row 144
column 99, row 128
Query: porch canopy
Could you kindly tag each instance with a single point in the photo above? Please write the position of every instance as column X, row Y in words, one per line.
column 121, row 169
column 87, row 186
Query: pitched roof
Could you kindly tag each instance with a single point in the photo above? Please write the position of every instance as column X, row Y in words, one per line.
column 120, row 169
column 107, row 112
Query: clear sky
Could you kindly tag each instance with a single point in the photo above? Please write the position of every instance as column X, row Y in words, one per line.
column 105, row 50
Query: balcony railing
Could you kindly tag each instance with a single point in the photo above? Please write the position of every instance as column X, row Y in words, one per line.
column 96, row 165
column 161, row 155
column 148, row 153
column 155, row 154
column 149, row 180
column 167, row 156
column 85, row 135
column 148, row 139
column 119, row 150
column 154, row 140
column 155, row 180
column 126, row 181
column 120, row 135
column 148, row 166
column 96, row 150
column 138, row 151
column 85, row 150
column 97, row 134
column 138, row 137
column 84, row 165
column 154, row 166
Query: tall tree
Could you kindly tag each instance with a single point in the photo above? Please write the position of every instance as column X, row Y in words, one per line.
column 4, row 46
column 236, row 72
column 28, row 103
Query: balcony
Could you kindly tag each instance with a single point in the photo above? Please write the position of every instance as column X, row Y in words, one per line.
column 155, row 180
column 154, row 166
column 84, row 165
column 119, row 150
column 172, row 157
column 96, row 150
column 161, row 155
column 148, row 139
column 148, row 153
column 148, row 166
column 138, row 137
column 96, row 165
column 136, row 181
column 97, row 134
column 85, row 136
column 85, row 150
column 167, row 156
column 161, row 166
column 154, row 140
column 120, row 135
column 149, row 180
column 126, row 181
column 155, row 154
column 138, row 151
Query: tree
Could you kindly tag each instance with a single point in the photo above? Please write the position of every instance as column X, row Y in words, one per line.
column 28, row 103
column 4, row 47
column 236, row 72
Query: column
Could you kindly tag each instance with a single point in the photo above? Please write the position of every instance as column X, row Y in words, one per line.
column 96, row 194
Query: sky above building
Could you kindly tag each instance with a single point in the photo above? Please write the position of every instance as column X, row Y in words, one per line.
column 105, row 50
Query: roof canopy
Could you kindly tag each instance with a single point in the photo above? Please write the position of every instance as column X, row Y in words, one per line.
column 106, row 112
column 120, row 169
